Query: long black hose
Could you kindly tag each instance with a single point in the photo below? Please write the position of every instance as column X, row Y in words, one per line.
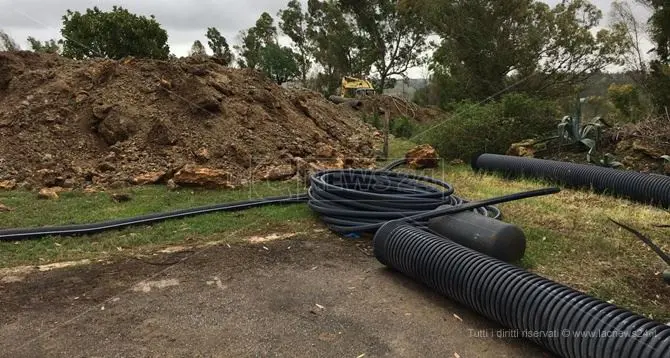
column 565, row 321
column 348, row 201
column 641, row 187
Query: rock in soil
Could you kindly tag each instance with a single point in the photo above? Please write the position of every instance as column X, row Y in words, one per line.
column 171, row 185
column 48, row 194
column 522, row 149
column 421, row 157
column 149, row 178
column 7, row 184
column 206, row 177
column 105, row 121
column 280, row 172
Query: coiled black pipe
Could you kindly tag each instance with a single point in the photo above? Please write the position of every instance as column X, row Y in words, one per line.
column 564, row 321
column 641, row 187
column 348, row 201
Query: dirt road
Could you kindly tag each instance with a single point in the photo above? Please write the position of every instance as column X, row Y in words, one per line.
column 297, row 298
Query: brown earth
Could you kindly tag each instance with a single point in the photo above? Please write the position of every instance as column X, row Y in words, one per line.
column 105, row 123
column 640, row 146
column 396, row 107
column 295, row 298
column 401, row 108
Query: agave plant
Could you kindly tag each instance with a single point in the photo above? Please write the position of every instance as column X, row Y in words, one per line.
column 571, row 131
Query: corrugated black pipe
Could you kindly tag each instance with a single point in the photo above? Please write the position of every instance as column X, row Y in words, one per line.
column 564, row 321
column 641, row 187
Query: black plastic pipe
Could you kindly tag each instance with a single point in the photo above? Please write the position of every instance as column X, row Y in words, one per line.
column 564, row 321
column 481, row 233
column 641, row 187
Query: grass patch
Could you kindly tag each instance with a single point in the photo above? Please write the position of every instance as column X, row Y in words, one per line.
column 78, row 207
column 398, row 148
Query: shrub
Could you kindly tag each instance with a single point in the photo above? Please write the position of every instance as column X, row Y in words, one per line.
column 373, row 120
column 626, row 99
column 493, row 127
column 402, row 127
column 659, row 86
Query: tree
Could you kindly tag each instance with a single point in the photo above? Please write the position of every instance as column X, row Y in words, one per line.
column 279, row 63
column 197, row 49
column 622, row 17
column 255, row 39
column 397, row 35
column 294, row 24
column 488, row 47
column 219, row 46
column 340, row 48
column 114, row 34
column 659, row 29
column 7, row 43
column 50, row 46
column 572, row 53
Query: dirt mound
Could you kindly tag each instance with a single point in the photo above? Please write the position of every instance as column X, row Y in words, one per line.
column 641, row 146
column 401, row 108
column 102, row 122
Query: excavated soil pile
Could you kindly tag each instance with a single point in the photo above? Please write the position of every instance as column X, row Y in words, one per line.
column 641, row 146
column 186, row 122
column 399, row 107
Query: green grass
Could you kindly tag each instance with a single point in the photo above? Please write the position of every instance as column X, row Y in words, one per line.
column 78, row 207
column 569, row 237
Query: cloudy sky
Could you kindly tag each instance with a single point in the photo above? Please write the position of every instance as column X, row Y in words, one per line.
column 185, row 21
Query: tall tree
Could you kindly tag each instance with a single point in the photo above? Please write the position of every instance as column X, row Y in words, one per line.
column 255, row 39
column 219, row 46
column 197, row 49
column 50, row 46
column 487, row 45
column 7, row 43
column 484, row 41
column 294, row 24
column 659, row 29
column 397, row 35
column 113, row 34
column 340, row 48
column 622, row 17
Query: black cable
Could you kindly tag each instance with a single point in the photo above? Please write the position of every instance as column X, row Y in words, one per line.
column 647, row 241
column 348, row 201
column 93, row 228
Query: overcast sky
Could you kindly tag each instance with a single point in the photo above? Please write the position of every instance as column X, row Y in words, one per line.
column 185, row 21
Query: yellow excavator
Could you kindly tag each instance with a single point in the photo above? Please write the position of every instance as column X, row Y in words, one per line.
column 356, row 88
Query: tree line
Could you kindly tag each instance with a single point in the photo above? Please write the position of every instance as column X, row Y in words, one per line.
column 474, row 50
